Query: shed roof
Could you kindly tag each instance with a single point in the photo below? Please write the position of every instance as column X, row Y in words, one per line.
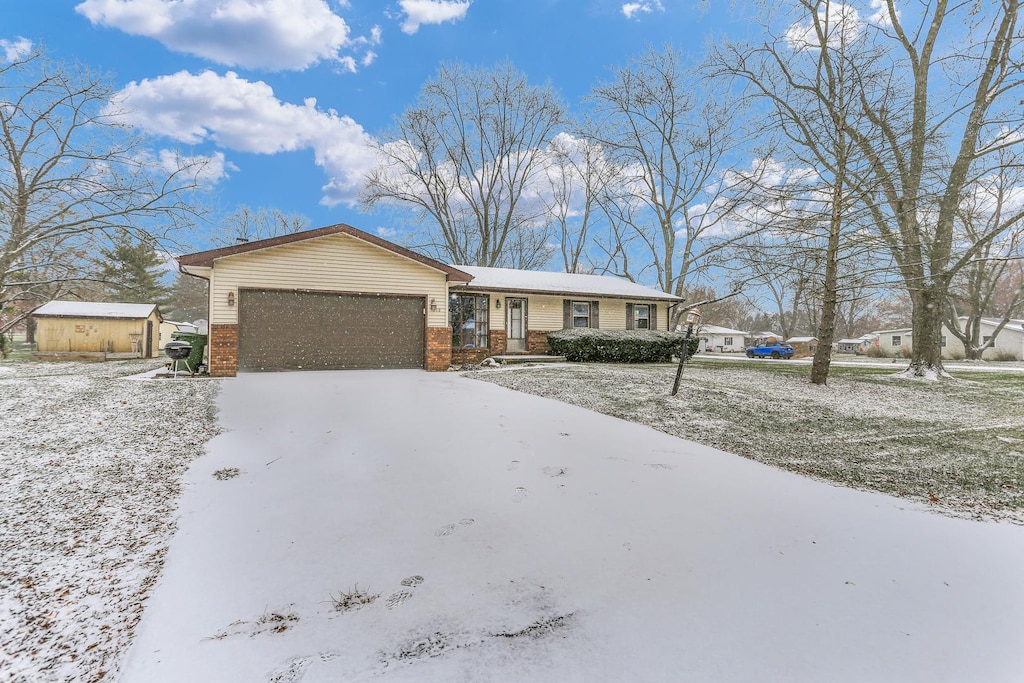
column 206, row 258
column 94, row 309
column 800, row 340
column 544, row 282
column 851, row 341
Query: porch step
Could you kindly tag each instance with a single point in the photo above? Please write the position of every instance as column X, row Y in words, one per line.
column 524, row 358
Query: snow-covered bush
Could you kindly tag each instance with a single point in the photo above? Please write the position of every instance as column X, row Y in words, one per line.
column 614, row 346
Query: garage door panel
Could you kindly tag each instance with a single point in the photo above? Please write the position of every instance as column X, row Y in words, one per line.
column 318, row 331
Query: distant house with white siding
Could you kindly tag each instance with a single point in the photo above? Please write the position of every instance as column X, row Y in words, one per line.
column 723, row 339
column 1009, row 342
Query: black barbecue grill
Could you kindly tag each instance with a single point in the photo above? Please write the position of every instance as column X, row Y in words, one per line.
column 178, row 351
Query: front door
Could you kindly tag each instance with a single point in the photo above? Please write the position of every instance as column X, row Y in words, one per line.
column 515, row 325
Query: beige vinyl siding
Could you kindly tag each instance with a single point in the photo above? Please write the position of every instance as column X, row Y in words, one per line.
column 545, row 312
column 109, row 335
column 336, row 263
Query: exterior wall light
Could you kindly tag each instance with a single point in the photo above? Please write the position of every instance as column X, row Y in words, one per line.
column 497, row 302
column 433, row 304
column 231, row 298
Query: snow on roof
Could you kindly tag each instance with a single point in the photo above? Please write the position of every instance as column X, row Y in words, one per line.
column 800, row 340
column 715, row 330
column 851, row 341
column 92, row 309
column 901, row 330
column 512, row 279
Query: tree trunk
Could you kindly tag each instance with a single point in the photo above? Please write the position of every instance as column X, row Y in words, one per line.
column 926, row 318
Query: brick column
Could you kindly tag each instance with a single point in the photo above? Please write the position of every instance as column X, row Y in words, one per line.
column 223, row 350
column 537, row 342
column 439, row 349
column 497, row 342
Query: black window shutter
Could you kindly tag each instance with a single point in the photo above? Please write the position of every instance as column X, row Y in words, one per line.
column 566, row 314
column 595, row 318
column 629, row 316
column 654, row 316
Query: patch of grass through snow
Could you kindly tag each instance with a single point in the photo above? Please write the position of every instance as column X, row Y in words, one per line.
column 957, row 445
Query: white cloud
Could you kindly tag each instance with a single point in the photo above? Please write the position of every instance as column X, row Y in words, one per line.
column 631, row 9
column 419, row 12
column 14, row 50
column 263, row 34
column 245, row 116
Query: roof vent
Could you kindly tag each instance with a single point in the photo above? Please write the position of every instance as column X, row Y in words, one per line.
column 241, row 240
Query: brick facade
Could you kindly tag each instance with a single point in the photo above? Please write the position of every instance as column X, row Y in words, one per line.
column 439, row 348
column 496, row 347
column 537, row 342
column 223, row 350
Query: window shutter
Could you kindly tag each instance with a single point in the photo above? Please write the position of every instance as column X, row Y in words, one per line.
column 654, row 316
column 567, row 314
column 629, row 316
column 595, row 319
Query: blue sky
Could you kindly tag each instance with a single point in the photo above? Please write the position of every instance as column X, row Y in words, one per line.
column 282, row 93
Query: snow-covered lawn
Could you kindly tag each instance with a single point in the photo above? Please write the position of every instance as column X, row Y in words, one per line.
column 956, row 445
column 410, row 526
column 90, row 471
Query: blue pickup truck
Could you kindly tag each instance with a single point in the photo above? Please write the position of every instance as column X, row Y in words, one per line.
column 770, row 350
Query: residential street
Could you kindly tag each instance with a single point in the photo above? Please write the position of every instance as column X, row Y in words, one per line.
column 509, row 537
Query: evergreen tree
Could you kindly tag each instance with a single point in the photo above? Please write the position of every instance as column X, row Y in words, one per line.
column 131, row 272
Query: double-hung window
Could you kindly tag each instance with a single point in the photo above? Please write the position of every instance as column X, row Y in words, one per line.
column 469, row 321
column 897, row 340
column 581, row 314
column 641, row 317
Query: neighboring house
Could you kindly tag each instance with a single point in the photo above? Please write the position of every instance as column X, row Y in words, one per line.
column 715, row 338
column 803, row 346
column 848, row 346
column 858, row 346
column 894, row 342
column 69, row 329
column 1009, row 342
column 752, row 338
column 338, row 297
column 169, row 327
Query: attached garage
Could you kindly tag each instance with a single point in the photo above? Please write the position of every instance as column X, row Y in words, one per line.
column 296, row 330
column 327, row 299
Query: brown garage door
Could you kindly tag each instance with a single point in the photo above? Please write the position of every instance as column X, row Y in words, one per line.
column 317, row 331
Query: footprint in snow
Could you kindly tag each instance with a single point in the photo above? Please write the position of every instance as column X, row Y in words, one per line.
column 519, row 494
column 555, row 471
column 289, row 672
column 658, row 466
column 449, row 529
column 514, row 465
column 396, row 599
column 412, row 581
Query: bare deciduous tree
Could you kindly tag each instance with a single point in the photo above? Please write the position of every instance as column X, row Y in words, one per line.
column 466, row 161
column 70, row 174
column 669, row 137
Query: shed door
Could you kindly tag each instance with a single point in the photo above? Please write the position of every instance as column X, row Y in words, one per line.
column 319, row 331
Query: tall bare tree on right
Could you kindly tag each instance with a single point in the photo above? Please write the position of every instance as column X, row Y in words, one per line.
column 935, row 91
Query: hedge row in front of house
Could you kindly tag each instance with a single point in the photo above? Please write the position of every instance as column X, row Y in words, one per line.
column 581, row 345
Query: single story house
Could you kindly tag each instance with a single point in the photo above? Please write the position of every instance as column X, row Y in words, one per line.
column 77, row 329
column 803, row 346
column 894, row 342
column 724, row 339
column 338, row 297
column 754, row 338
column 858, row 346
column 1009, row 342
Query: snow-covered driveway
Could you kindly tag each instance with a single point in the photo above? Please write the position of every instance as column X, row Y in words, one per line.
column 514, row 538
